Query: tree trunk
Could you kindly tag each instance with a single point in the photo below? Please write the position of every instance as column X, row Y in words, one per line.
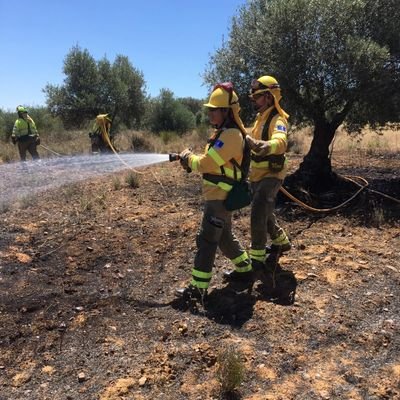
column 315, row 172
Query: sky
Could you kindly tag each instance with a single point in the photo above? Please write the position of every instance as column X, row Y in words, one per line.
column 169, row 41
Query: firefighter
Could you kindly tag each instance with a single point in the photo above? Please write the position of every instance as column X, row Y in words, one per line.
column 100, row 137
column 223, row 151
column 25, row 134
column 268, row 142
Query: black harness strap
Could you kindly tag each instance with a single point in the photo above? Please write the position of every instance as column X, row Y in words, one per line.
column 264, row 135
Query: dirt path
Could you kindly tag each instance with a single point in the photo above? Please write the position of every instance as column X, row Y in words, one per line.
column 87, row 310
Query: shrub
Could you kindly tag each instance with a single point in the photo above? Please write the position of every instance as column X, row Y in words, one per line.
column 165, row 113
column 132, row 179
column 230, row 372
column 141, row 143
column 168, row 137
column 116, row 183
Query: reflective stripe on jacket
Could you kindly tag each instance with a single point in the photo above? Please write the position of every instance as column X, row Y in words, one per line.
column 21, row 127
column 217, row 182
column 277, row 138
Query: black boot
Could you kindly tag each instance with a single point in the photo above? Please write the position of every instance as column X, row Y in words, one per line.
column 258, row 266
column 239, row 281
column 275, row 248
column 191, row 293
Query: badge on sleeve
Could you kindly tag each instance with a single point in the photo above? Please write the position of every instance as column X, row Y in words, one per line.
column 281, row 128
column 218, row 144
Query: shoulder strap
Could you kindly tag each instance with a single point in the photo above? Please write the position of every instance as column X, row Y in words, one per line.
column 235, row 165
column 264, row 135
column 212, row 141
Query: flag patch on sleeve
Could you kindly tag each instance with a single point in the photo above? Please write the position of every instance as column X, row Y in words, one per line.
column 281, row 128
column 218, row 144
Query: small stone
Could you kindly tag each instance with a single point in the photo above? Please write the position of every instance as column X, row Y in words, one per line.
column 142, row 381
column 81, row 377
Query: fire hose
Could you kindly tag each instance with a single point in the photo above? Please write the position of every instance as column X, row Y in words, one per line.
column 362, row 187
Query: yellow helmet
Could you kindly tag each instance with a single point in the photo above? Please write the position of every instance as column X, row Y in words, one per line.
column 222, row 96
column 268, row 83
column 265, row 84
column 21, row 109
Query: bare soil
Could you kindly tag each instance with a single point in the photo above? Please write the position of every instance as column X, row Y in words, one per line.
column 87, row 306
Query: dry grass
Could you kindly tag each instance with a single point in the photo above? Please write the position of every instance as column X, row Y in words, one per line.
column 78, row 142
column 368, row 142
column 373, row 143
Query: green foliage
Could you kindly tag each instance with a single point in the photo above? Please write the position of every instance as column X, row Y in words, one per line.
column 92, row 87
column 165, row 113
column 192, row 104
column 7, row 120
column 44, row 121
column 336, row 60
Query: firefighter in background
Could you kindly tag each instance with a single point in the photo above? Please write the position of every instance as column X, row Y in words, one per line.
column 268, row 141
column 25, row 134
column 218, row 172
column 100, row 136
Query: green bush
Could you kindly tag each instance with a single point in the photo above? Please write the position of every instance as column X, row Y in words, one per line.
column 166, row 114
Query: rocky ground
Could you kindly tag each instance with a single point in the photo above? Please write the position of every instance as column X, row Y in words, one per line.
column 87, row 306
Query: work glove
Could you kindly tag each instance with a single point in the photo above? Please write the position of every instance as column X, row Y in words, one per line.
column 184, row 158
column 37, row 140
column 260, row 147
column 13, row 139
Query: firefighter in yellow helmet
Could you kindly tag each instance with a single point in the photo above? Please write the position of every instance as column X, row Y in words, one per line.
column 25, row 134
column 218, row 165
column 101, row 137
column 268, row 141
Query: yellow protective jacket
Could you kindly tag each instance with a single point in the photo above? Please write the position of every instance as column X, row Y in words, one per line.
column 24, row 127
column 277, row 138
column 215, row 165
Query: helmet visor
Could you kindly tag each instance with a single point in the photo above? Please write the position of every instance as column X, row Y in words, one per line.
column 258, row 87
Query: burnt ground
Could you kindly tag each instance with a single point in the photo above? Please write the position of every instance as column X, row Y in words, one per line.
column 87, row 307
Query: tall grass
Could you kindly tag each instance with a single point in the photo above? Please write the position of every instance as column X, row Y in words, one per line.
column 78, row 142
column 368, row 142
column 56, row 140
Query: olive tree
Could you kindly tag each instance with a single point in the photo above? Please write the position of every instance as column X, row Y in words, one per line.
column 92, row 87
column 166, row 113
column 338, row 62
